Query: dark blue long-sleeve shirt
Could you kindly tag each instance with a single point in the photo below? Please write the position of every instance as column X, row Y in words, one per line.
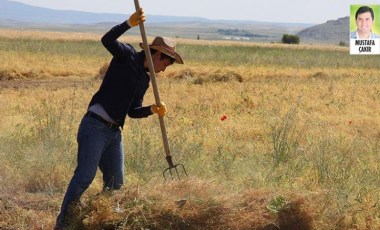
column 126, row 80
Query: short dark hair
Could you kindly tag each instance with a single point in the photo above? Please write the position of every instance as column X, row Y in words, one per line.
column 364, row 9
column 163, row 56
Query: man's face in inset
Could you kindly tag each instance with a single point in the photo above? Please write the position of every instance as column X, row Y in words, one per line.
column 364, row 22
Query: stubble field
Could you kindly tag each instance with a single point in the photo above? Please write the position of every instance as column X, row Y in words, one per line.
column 299, row 148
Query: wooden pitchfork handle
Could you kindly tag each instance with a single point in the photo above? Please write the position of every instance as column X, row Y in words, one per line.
column 155, row 89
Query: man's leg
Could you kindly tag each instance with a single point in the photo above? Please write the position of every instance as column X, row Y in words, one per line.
column 112, row 163
column 92, row 140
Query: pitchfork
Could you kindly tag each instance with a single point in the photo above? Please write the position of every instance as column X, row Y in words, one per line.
column 158, row 102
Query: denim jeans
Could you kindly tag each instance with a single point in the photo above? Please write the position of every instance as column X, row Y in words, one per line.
column 98, row 146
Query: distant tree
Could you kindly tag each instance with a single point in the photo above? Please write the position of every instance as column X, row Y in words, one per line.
column 290, row 39
column 342, row 43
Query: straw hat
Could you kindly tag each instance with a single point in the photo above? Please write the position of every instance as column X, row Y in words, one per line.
column 167, row 46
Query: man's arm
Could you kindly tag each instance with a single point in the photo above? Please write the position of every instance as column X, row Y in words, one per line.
column 138, row 111
column 109, row 40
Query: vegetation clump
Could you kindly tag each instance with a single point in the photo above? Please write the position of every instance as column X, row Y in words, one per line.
column 290, row 39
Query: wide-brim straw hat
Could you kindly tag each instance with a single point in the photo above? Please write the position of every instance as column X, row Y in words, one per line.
column 165, row 45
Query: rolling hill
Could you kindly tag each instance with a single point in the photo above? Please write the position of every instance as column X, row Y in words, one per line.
column 21, row 16
column 333, row 31
column 16, row 11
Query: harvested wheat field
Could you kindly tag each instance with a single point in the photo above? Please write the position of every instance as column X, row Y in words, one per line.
column 272, row 137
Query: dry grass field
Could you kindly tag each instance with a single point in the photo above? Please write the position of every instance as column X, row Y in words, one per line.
column 299, row 148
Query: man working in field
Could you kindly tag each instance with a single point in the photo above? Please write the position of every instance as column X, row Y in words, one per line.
column 120, row 94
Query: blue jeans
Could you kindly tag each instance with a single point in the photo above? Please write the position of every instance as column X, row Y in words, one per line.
column 98, row 145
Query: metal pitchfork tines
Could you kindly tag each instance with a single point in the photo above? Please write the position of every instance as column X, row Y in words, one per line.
column 158, row 102
column 173, row 167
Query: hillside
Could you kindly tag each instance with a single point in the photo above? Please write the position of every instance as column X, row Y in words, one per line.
column 18, row 15
column 16, row 11
column 333, row 31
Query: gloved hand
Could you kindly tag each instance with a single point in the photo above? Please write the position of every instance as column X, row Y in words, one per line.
column 136, row 18
column 159, row 109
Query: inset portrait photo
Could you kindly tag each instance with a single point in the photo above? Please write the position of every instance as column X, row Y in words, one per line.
column 365, row 29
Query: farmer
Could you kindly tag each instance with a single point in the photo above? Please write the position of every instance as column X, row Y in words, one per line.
column 121, row 93
column 364, row 18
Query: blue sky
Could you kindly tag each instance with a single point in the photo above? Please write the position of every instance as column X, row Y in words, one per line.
column 301, row 11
